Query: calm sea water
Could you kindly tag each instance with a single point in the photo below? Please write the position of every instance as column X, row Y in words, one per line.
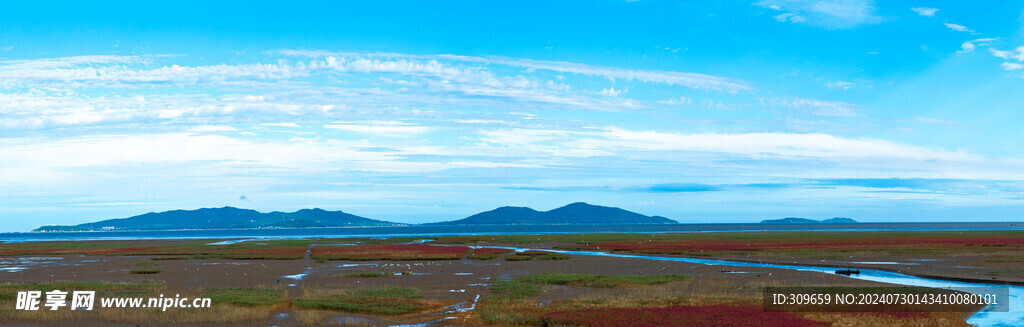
column 435, row 231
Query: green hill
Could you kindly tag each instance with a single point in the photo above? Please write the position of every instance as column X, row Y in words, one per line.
column 575, row 213
column 226, row 218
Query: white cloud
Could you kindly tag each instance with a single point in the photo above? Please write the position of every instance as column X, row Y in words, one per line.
column 111, row 204
column 123, row 71
column 396, row 129
column 614, row 141
column 482, row 122
column 1011, row 66
column 44, row 160
column 815, row 106
column 521, row 136
column 213, row 128
column 1016, row 54
column 790, row 17
column 775, row 144
column 970, row 46
column 936, row 121
column 844, row 85
column 925, row 11
column 680, row 101
column 828, row 13
column 967, row 47
column 958, row 27
column 611, row 92
column 686, row 79
column 692, row 80
column 289, row 125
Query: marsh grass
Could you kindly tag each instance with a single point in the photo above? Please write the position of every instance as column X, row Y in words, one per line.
column 221, row 314
column 145, row 271
column 539, row 255
column 259, row 296
column 554, row 256
column 884, row 319
column 390, row 252
column 368, row 274
column 592, row 280
column 7, row 288
column 487, row 253
column 518, row 257
column 192, row 249
column 380, row 301
column 145, row 264
column 8, row 294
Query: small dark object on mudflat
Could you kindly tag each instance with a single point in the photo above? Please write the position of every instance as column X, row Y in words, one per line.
column 848, row 272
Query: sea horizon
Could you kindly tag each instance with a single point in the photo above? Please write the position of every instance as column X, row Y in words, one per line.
column 469, row 230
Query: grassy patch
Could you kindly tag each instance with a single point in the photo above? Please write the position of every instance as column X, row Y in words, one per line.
column 274, row 249
column 85, row 285
column 145, row 271
column 390, row 252
column 554, row 256
column 525, row 286
column 245, row 296
column 604, row 281
column 539, row 255
column 516, row 289
column 9, row 291
column 712, row 315
column 368, row 274
column 146, row 264
column 518, row 257
column 382, row 301
column 807, row 244
column 487, row 253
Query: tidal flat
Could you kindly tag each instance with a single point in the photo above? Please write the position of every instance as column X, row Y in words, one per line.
column 475, row 280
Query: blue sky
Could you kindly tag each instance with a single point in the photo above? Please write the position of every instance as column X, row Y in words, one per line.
column 418, row 111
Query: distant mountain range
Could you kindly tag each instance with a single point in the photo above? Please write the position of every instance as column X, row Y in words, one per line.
column 226, row 218
column 578, row 213
column 235, row 218
column 793, row 220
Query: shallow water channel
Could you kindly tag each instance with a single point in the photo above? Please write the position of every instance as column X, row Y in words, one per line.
column 983, row 318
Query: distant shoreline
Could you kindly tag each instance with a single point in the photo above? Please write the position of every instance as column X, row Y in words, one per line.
column 772, row 226
column 435, row 231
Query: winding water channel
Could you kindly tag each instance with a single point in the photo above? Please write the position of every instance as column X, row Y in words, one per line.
column 983, row 318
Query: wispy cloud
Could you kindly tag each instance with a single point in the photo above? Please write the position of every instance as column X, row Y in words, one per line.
column 1012, row 66
column 958, row 27
column 1016, row 54
column 827, row 13
column 925, row 11
column 814, row 106
column 775, row 144
column 686, row 79
column 126, row 71
column 1009, row 57
column 112, row 204
column 679, row 188
column 970, row 46
column 386, row 128
column 935, row 121
column 213, row 128
column 843, row 85
column 612, row 92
